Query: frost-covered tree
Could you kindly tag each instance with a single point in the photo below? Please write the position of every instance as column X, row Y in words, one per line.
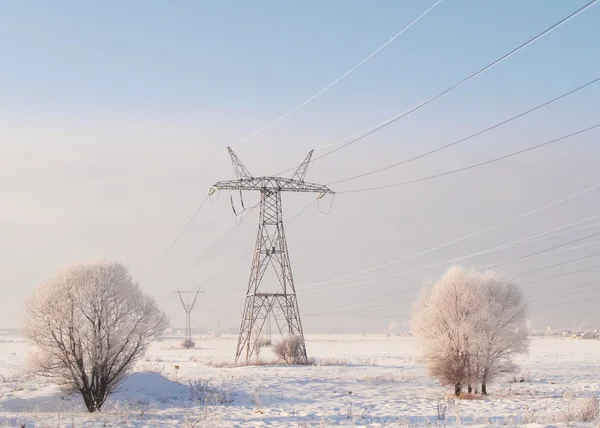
column 90, row 323
column 502, row 326
column 443, row 329
column 469, row 326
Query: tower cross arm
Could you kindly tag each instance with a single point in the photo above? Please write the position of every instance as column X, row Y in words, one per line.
column 274, row 184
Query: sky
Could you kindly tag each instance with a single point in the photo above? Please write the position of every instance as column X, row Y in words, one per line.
column 115, row 116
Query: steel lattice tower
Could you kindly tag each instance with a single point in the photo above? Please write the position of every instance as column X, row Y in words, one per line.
column 270, row 250
column 188, row 307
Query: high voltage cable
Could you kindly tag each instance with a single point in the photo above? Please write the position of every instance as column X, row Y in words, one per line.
column 589, row 189
column 425, row 276
column 555, row 265
column 221, row 272
column 405, row 316
column 214, row 247
column 299, row 106
column 358, row 311
column 569, row 294
column 568, row 288
column 453, row 241
column 175, row 240
column 399, row 260
column 562, row 275
column 527, row 240
column 466, row 138
column 365, row 133
column 567, row 303
column 418, row 180
column 404, row 291
column 541, row 252
column 376, row 307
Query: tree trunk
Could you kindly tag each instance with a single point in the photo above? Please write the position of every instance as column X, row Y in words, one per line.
column 457, row 389
column 484, row 382
column 469, row 389
column 88, row 399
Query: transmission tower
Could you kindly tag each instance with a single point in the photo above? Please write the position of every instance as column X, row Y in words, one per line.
column 264, row 300
column 187, row 307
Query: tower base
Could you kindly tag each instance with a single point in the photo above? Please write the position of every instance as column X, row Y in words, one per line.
column 283, row 308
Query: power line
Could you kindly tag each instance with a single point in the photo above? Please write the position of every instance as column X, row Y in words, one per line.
column 175, row 240
column 589, row 189
column 358, row 311
column 527, row 240
column 466, row 138
column 510, row 155
column 557, row 264
column 214, row 247
column 399, row 260
column 221, row 272
column 561, row 275
column 365, row 133
column 299, row 106
column 456, row 240
column 426, row 276
column 570, row 294
column 567, row 303
column 568, row 288
column 404, row 291
column 541, row 252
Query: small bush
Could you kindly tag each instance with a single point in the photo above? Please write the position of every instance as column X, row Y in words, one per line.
column 204, row 393
column 581, row 410
column 188, row 344
column 589, row 410
column 290, row 349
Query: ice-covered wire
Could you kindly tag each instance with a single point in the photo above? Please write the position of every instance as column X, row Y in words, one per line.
column 299, row 106
column 181, row 232
column 545, row 206
column 369, row 131
column 497, row 125
column 477, row 165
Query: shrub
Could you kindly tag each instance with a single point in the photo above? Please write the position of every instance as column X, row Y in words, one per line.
column 188, row 344
column 290, row 349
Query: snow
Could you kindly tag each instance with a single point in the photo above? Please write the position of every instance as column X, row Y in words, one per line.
column 370, row 380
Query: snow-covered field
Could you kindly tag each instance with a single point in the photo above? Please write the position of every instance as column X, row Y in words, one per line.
column 368, row 380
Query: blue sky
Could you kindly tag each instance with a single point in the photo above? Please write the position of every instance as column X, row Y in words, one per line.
column 265, row 57
column 114, row 117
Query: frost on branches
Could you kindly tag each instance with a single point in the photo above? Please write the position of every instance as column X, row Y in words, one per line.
column 469, row 326
column 90, row 324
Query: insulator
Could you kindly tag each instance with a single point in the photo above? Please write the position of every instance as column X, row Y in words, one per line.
column 232, row 206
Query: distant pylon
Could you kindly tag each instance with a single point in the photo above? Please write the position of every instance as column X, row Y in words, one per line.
column 270, row 250
column 187, row 307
